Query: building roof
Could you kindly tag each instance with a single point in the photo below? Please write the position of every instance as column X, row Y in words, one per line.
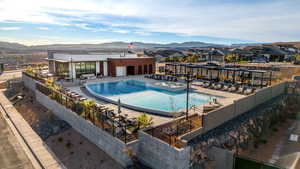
column 272, row 50
column 217, row 52
column 242, row 51
column 65, row 57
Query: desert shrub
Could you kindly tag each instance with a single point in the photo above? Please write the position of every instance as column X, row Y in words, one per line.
column 60, row 139
column 69, row 144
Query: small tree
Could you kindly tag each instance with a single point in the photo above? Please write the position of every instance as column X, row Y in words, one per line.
column 54, row 88
column 297, row 57
column 29, row 70
column 167, row 59
column 144, row 121
column 49, row 83
column 182, row 59
column 192, row 59
column 229, row 58
column 88, row 106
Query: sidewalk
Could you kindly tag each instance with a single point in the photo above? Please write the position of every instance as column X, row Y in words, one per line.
column 11, row 153
column 36, row 150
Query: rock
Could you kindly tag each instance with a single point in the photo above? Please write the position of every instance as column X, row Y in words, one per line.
column 55, row 129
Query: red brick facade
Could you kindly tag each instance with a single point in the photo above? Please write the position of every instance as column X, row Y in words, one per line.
column 135, row 65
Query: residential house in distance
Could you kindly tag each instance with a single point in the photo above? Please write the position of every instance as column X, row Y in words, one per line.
column 242, row 54
column 216, row 55
column 210, row 54
column 272, row 53
column 289, row 49
column 162, row 54
column 74, row 64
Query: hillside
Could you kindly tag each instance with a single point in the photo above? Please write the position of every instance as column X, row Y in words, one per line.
column 7, row 45
column 113, row 45
column 297, row 44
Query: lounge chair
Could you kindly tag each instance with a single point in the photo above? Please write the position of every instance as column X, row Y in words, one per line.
column 173, row 79
column 226, row 87
column 156, row 77
column 166, row 78
column 208, row 108
column 241, row 89
column 233, row 88
column 198, row 83
column 213, row 85
column 249, row 90
column 206, row 84
column 219, row 86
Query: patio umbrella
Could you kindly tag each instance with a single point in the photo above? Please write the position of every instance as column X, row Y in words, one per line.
column 119, row 106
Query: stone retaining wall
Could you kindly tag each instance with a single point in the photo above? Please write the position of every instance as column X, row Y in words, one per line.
column 223, row 158
column 28, row 82
column 244, row 131
column 160, row 155
column 226, row 113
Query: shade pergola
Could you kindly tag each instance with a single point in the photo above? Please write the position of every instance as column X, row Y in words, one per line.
column 221, row 73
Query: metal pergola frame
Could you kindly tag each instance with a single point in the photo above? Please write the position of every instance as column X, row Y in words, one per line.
column 213, row 73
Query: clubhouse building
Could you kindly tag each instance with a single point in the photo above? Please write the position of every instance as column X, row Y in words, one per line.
column 75, row 64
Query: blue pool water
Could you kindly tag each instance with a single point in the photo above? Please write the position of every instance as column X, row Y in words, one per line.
column 139, row 94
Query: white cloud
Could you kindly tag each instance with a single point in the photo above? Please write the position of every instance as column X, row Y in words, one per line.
column 86, row 27
column 43, row 28
column 120, row 31
column 143, row 33
column 45, row 40
column 258, row 21
column 10, row 28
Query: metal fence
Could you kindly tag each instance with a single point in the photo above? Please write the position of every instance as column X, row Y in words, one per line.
column 35, row 76
column 293, row 87
column 170, row 132
column 117, row 125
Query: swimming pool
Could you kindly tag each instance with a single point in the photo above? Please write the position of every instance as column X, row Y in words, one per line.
column 139, row 94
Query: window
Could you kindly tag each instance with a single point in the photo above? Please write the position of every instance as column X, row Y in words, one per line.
column 140, row 70
column 145, row 69
column 150, row 69
column 85, row 68
column 62, row 69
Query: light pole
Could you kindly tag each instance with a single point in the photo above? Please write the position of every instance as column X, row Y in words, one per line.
column 72, row 69
column 188, row 79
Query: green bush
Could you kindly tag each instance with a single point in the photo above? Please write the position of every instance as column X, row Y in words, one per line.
column 143, row 121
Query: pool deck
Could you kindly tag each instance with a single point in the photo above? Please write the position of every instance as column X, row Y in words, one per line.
column 226, row 98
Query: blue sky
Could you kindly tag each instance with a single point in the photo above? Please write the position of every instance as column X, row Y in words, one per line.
column 35, row 22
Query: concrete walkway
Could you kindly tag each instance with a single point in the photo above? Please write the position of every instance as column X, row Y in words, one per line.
column 12, row 156
column 36, row 150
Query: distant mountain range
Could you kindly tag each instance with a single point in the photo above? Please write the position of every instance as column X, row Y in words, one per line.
column 111, row 45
